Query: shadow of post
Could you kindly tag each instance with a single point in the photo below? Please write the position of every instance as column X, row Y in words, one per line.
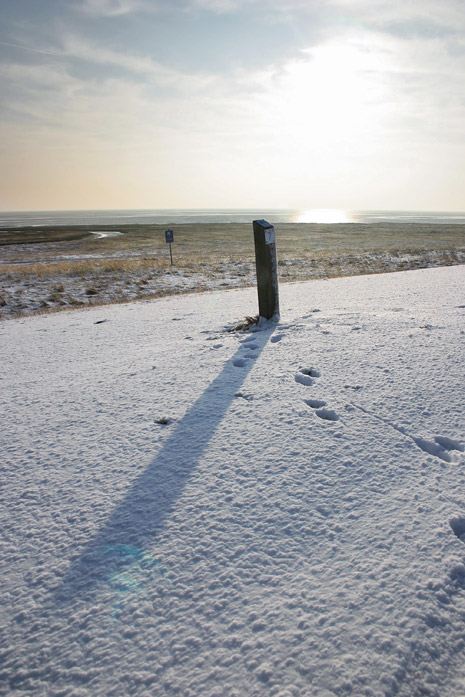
column 137, row 520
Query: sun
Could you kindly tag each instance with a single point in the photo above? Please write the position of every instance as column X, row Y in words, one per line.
column 327, row 101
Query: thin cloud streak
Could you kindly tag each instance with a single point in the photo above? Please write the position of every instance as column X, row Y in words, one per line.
column 28, row 48
column 110, row 8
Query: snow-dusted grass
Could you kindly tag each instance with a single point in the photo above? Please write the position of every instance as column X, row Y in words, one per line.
column 199, row 512
column 135, row 263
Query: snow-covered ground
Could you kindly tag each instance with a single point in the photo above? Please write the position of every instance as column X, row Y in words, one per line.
column 189, row 511
column 25, row 294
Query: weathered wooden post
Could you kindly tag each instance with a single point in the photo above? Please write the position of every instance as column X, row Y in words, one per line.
column 267, row 269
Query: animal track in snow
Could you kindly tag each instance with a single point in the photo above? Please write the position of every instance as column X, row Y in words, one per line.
column 305, row 376
column 304, row 379
column 315, row 403
column 320, row 410
column 277, row 337
column 243, row 395
column 449, row 444
column 440, row 447
column 458, row 526
column 239, row 362
column 429, row 447
column 327, row 414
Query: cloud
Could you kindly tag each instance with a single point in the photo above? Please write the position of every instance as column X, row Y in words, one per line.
column 359, row 107
column 266, row 8
column 421, row 17
column 416, row 13
column 144, row 67
column 367, row 80
column 110, row 8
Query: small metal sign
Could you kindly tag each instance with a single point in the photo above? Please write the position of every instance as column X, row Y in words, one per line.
column 169, row 238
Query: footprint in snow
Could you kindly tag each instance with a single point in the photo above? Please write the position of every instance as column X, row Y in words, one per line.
column 327, row 414
column 439, row 448
column 458, row 526
column 243, row 395
column 305, row 376
column 449, row 443
column 315, row 403
column 277, row 337
column 320, row 410
column 239, row 362
column 311, row 371
column 304, row 379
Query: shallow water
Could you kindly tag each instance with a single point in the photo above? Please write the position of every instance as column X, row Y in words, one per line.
column 239, row 215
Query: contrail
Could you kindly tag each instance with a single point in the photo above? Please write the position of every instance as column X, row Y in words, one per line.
column 26, row 48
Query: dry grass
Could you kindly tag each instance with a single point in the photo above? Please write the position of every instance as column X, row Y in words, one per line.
column 246, row 324
column 55, row 269
column 80, row 267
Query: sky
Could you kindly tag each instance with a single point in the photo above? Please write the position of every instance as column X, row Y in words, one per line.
column 295, row 104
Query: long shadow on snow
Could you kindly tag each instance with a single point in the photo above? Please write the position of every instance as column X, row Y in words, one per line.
column 136, row 521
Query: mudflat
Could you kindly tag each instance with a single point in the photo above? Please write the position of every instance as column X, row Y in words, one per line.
column 236, row 238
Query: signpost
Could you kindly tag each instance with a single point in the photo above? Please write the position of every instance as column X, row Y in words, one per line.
column 267, row 269
column 169, row 238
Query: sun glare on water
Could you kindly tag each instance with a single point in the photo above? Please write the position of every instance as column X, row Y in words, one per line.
column 323, row 215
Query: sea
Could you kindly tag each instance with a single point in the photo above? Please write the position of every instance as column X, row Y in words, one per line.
column 171, row 217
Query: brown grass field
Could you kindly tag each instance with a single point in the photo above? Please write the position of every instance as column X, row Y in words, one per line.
column 62, row 267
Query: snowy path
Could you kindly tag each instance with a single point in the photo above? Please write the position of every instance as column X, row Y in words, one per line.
column 294, row 529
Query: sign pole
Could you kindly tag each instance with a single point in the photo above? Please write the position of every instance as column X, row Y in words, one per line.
column 267, row 269
column 169, row 238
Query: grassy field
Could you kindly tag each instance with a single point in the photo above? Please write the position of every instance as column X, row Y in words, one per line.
column 237, row 239
column 65, row 266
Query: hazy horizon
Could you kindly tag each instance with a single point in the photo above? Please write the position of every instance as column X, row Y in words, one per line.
column 245, row 209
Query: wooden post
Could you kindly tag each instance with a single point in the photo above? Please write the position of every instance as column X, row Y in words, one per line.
column 267, row 269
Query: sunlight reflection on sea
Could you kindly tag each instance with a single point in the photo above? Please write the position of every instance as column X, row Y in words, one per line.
column 329, row 216
column 325, row 216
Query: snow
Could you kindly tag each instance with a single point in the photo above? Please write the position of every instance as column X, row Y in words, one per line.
column 24, row 292
column 198, row 512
